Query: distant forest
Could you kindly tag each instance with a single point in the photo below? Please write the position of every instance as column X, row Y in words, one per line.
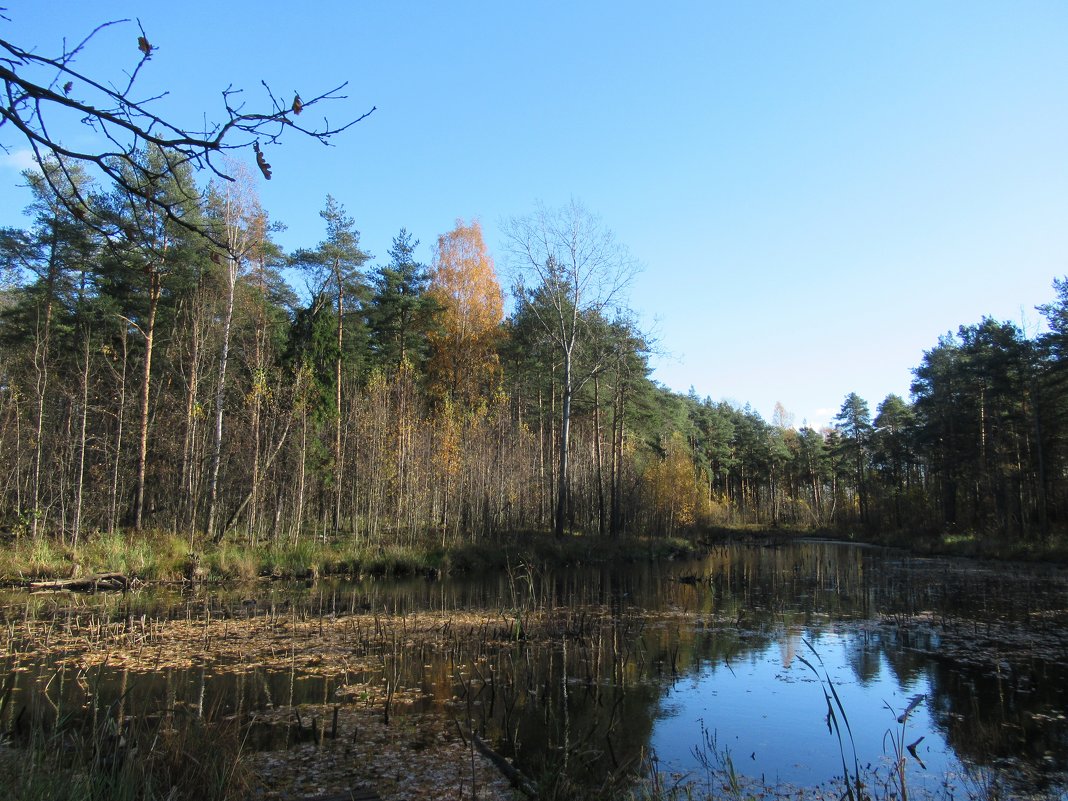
column 152, row 378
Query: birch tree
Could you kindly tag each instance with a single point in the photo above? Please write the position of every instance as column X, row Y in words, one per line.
column 572, row 270
column 245, row 229
column 463, row 282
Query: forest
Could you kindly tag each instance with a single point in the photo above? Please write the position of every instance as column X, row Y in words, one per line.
column 152, row 378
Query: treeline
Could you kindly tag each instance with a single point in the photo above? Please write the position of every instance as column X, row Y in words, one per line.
column 167, row 366
column 155, row 377
column 981, row 450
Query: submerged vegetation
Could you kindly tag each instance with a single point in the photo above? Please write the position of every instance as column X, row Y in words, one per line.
column 175, row 757
column 298, row 690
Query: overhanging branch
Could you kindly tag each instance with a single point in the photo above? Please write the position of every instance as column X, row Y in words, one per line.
column 38, row 90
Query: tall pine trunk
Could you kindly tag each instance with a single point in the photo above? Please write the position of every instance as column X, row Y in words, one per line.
column 149, row 332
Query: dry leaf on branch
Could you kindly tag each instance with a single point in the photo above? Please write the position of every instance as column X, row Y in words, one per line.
column 298, row 106
column 261, row 162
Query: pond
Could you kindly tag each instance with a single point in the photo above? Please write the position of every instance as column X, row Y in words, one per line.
column 778, row 666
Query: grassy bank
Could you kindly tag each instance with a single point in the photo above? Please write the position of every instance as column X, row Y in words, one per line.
column 163, row 556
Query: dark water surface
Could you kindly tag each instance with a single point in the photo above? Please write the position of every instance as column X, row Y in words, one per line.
column 737, row 655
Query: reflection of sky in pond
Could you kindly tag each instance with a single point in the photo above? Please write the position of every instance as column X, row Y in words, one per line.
column 769, row 711
column 986, row 642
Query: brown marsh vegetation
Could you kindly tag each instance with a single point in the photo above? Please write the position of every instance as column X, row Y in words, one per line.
column 337, row 686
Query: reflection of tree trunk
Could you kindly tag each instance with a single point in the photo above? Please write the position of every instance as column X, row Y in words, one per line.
column 155, row 287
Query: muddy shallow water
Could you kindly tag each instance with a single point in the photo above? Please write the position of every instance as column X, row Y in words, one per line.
column 732, row 660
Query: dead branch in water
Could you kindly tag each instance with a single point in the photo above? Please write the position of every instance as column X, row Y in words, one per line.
column 94, row 583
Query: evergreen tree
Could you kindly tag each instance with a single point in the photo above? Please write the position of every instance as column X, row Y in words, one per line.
column 893, row 452
column 401, row 313
column 853, row 424
column 51, row 262
column 334, row 267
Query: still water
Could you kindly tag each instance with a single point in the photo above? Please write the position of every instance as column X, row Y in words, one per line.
column 791, row 664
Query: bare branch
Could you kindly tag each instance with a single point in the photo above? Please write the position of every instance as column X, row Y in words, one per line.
column 39, row 90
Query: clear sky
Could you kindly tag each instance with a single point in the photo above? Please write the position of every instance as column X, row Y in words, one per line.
column 816, row 190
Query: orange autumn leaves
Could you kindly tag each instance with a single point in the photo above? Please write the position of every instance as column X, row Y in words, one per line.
column 463, row 363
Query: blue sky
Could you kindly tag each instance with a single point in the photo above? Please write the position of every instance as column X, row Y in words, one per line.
column 816, row 190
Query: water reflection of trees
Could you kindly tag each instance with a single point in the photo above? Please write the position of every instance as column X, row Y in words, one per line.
column 991, row 714
column 583, row 692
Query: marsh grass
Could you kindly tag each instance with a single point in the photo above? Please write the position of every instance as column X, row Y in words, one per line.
column 101, row 755
column 836, row 719
column 491, row 664
column 896, row 737
column 157, row 555
column 162, row 556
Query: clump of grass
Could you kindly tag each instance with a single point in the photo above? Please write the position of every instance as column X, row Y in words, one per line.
column 28, row 558
column 299, row 559
column 151, row 555
column 896, row 737
column 232, row 561
column 394, row 560
column 44, row 558
column 174, row 758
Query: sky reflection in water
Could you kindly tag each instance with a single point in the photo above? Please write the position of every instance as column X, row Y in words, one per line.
column 769, row 711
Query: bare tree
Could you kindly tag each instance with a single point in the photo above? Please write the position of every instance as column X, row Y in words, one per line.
column 246, row 230
column 42, row 93
column 579, row 274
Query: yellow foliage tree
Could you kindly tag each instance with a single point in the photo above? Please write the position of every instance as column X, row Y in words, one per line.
column 676, row 495
column 464, row 283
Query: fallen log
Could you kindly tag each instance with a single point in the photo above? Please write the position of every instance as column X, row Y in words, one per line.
column 351, row 795
column 95, row 583
column 510, row 772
